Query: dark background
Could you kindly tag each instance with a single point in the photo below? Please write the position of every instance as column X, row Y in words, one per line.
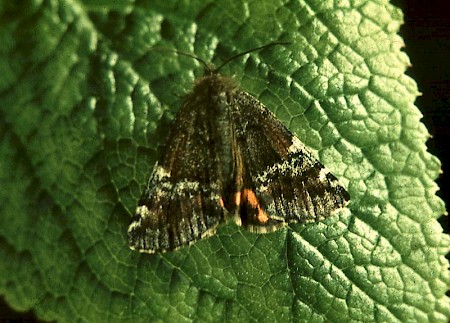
column 427, row 37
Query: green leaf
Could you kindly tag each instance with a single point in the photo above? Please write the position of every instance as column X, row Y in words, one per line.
column 85, row 101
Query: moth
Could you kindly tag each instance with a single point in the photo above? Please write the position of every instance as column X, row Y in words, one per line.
column 229, row 158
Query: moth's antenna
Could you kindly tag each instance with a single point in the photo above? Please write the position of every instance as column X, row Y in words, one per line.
column 184, row 54
column 249, row 51
column 194, row 57
column 207, row 67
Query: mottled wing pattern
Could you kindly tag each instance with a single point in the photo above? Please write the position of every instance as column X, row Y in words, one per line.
column 182, row 201
column 282, row 181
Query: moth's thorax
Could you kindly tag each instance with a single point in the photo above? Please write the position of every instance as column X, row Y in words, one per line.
column 213, row 94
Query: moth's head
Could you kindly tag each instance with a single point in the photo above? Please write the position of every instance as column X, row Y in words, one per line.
column 213, row 81
column 210, row 70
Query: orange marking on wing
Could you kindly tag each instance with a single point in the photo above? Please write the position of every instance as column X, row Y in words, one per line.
column 221, row 203
column 262, row 216
column 250, row 197
column 237, row 198
column 252, row 200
